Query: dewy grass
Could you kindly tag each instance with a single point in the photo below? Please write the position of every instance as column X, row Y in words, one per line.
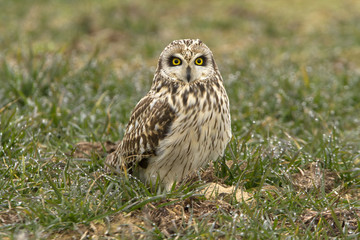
column 70, row 73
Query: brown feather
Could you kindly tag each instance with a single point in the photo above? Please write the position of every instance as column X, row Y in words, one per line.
column 149, row 123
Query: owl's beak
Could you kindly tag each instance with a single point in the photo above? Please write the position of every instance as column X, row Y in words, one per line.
column 188, row 74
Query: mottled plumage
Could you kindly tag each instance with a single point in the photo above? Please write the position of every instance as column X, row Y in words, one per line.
column 182, row 123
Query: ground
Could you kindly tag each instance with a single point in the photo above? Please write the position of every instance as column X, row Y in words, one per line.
column 71, row 72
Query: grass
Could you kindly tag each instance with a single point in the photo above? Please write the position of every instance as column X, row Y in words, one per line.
column 73, row 71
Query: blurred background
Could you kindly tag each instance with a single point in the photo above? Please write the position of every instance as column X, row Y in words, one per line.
column 301, row 31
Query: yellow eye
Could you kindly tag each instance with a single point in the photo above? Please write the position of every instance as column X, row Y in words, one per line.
column 199, row 61
column 176, row 61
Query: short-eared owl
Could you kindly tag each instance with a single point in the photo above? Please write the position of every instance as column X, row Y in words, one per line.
column 182, row 123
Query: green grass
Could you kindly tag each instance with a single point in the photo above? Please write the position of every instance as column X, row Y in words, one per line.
column 73, row 71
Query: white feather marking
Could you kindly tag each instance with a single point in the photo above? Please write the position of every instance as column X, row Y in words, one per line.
column 130, row 128
column 152, row 104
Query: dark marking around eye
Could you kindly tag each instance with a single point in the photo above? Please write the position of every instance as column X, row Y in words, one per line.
column 171, row 61
column 204, row 60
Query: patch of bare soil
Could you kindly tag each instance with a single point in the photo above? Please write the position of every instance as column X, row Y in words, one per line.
column 352, row 193
column 120, row 225
column 167, row 216
column 86, row 149
column 10, row 216
column 337, row 219
column 314, row 177
column 177, row 216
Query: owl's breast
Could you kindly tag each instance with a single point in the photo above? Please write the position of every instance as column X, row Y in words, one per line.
column 201, row 130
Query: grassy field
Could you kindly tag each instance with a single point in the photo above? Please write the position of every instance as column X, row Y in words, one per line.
column 72, row 71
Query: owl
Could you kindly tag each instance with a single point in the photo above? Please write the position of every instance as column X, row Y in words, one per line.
column 182, row 123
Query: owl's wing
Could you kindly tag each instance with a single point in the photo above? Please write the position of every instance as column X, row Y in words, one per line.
column 149, row 123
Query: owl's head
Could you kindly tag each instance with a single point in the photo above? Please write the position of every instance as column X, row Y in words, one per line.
column 187, row 61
